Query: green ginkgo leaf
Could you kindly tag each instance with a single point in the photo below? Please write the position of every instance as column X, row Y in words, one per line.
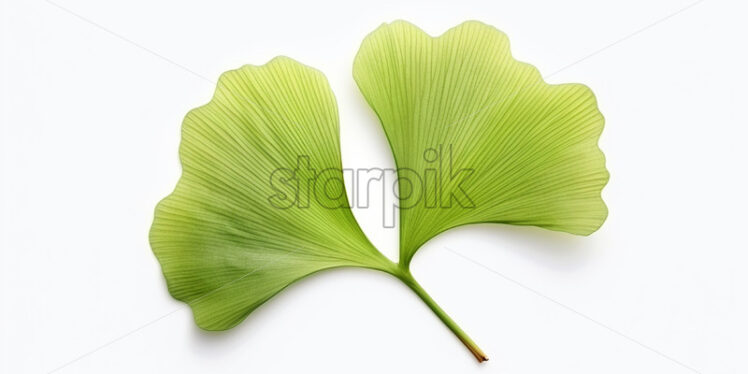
column 261, row 201
column 503, row 145
column 236, row 230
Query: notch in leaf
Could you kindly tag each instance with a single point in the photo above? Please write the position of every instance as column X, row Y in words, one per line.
column 228, row 239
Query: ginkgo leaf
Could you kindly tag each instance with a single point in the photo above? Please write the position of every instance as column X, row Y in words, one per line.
column 243, row 223
column 478, row 136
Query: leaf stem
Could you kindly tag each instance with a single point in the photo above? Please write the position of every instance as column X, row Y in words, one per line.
column 407, row 278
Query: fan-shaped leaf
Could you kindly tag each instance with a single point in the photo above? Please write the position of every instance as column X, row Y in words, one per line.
column 480, row 137
column 260, row 203
column 477, row 137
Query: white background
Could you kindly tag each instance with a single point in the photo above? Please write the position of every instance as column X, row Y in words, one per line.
column 93, row 95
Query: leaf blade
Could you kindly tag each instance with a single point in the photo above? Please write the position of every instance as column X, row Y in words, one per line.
column 531, row 148
column 224, row 246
